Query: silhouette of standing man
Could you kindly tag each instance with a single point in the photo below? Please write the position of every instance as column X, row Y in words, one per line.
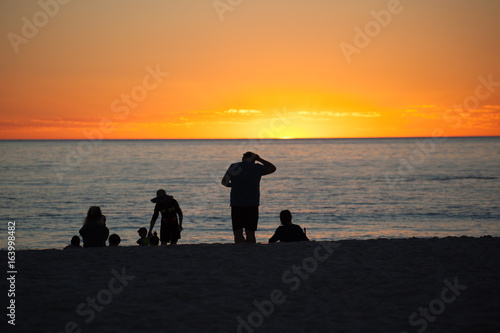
column 244, row 180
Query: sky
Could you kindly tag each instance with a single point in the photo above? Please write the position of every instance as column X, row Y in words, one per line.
column 186, row 69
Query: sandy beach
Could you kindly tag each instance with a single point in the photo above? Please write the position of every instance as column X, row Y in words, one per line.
column 400, row 285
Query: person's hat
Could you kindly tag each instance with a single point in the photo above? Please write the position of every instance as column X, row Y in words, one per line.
column 160, row 195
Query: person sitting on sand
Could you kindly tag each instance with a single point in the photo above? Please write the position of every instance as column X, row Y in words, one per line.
column 75, row 243
column 154, row 240
column 114, row 240
column 287, row 231
column 171, row 227
column 94, row 231
column 143, row 241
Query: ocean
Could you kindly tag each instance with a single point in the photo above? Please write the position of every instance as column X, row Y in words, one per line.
column 335, row 188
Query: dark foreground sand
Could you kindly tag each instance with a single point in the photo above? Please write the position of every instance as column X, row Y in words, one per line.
column 412, row 285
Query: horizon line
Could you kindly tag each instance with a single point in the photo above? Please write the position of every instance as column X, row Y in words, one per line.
column 280, row 139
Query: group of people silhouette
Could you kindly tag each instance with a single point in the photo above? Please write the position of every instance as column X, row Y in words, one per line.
column 244, row 180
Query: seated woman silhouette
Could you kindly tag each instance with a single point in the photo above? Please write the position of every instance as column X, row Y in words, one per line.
column 288, row 232
column 94, row 231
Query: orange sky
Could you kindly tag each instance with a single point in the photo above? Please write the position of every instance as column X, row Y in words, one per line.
column 248, row 69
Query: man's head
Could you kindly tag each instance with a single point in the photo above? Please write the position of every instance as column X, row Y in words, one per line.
column 249, row 157
column 286, row 217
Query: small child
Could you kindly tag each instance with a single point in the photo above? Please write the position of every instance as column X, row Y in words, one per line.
column 154, row 240
column 143, row 241
column 114, row 240
column 75, row 243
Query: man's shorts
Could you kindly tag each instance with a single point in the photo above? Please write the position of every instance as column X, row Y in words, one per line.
column 245, row 217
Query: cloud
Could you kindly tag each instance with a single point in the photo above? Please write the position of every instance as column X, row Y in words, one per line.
column 47, row 123
column 423, row 106
column 365, row 114
column 234, row 111
column 335, row 114
column 487, row 116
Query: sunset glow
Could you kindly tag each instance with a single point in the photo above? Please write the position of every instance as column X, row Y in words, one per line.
column 123, row 69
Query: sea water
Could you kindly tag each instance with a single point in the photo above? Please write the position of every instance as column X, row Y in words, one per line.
column 335, row 188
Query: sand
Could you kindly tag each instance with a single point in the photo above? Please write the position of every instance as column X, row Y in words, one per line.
column 410, row 285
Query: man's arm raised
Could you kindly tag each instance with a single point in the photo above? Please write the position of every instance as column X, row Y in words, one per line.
column 270, row 167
